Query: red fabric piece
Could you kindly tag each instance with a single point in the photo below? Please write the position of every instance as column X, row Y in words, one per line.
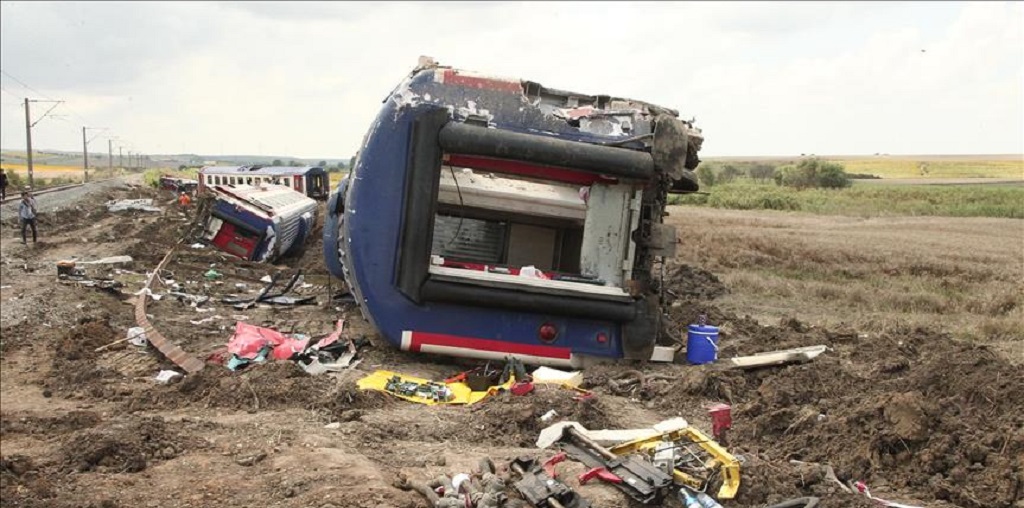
column 288, row 347
column 248, row 339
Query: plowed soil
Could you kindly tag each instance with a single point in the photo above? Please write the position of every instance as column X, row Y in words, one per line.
column 916, row 415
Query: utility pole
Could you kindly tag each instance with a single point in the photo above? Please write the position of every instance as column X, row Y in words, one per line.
column 28, row 133
column 85, row 155
column 85, row 149
column 110, row 154
column 120, row 157
column 28, row 140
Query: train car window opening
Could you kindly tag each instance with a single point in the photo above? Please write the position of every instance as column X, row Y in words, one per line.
column 576, row 233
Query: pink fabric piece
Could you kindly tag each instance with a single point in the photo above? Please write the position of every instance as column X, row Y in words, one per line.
column 249, row 339
column 288, row 347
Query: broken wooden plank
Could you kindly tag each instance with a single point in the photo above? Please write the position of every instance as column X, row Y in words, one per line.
column 770, row 358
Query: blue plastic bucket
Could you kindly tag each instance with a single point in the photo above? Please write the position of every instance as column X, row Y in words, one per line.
column 701, row 344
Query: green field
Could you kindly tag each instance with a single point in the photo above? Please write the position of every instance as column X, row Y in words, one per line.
column 867, row 200
column 905, row 166
column 935, row 168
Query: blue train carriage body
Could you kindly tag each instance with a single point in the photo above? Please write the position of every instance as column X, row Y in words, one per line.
column 259, row 223
column 487, row 217
column 313, row 181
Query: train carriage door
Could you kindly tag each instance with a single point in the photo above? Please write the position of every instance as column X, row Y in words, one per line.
column 298, row 184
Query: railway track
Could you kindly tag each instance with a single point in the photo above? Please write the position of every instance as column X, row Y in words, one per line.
column 14, row 195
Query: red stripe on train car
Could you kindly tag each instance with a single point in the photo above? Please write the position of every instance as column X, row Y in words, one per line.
column 526, row 169
column 420, row 339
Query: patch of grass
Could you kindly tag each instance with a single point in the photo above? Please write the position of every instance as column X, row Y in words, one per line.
column 902, row 166
column 960, row 275
column 868, row 200
column 335, row 177
column 936, row 168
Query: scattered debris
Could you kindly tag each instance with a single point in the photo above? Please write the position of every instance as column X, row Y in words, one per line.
column 664, row 354
column 796, row 355
column 251, row 460
column 640, row 479
column 169, row 349
column 690, row 456
column 254, row 344
column 721, row 422
column 165, row 376
column 206, row 320
column 280, row 298
column 548, row 375
column 539, row 486
column 112, row 260
column 696, row 499
column 455, row 391
column 863, row 489
column 121, row 205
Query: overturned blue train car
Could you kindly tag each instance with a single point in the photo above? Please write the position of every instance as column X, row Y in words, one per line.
column 258, row 223
column 487, row 217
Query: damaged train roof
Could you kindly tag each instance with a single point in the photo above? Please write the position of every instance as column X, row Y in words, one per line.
column 484, row 100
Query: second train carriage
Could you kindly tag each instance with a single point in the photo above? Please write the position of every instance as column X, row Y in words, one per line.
column 312, row 181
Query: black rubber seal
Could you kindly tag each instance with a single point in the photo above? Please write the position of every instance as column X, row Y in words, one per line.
column 469, row 139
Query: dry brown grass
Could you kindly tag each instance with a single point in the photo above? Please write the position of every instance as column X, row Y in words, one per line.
column 962, row 275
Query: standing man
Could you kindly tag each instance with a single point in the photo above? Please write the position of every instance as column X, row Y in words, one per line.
column 3, row 184
column 184, row 200
column 27, row 214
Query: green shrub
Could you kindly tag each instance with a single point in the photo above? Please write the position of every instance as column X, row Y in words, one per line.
column 761, row 172
column 728, row 173
column 15, row 180
column 813, row 173
column 706, row 175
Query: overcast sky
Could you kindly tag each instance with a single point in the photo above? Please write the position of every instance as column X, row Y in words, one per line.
column 306, row 79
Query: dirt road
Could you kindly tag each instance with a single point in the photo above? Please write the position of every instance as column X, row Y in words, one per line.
column 919, row 417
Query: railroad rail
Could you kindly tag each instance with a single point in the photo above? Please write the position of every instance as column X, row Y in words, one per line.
column 15, row 194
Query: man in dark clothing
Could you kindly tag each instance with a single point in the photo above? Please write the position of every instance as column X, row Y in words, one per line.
column 27, row 215
column 3, row 184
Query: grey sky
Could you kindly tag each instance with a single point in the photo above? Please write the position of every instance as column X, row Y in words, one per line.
column 306, row 79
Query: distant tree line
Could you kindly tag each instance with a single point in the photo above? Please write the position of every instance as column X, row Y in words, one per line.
column 807, row 173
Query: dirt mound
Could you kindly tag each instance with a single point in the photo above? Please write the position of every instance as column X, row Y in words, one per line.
column 74, row 367
column 504, row 420
column 123, row 447
column 274, row 385
column 691, row 283
column 72, row 421
column 912, row 411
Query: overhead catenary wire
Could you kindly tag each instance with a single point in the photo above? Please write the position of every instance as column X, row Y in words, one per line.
column 29, row 88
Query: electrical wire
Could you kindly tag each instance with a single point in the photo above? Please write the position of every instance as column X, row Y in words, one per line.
column 33, row 90
column 462, row 211
column 802, row 502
